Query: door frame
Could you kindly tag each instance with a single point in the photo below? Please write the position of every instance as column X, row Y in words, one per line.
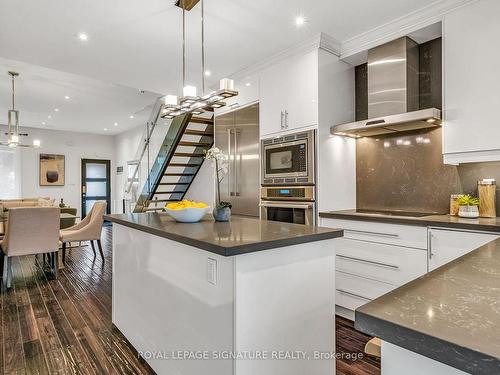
column 83, row 185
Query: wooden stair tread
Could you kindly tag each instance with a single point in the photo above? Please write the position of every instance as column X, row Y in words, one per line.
column 202, row 120
column 179, row 174
column 163, row 200
column 194, row 144
column 188, row 155
column 173, row 183
column 199, row 132
column 184, row 165
column 170, row 192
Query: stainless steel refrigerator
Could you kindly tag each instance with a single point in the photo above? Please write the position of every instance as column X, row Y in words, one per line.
column 237, row 135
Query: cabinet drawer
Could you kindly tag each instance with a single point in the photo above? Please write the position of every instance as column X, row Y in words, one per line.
column 354, row 291
column 387, row 263
column 393, row 234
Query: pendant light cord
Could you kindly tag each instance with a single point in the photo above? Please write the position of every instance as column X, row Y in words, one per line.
column 183, row 44
column 202, row 49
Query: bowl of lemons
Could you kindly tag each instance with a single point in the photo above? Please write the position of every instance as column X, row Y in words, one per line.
column 187, row 211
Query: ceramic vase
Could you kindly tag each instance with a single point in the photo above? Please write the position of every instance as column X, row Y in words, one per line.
column 222, row 214
column 471, row 212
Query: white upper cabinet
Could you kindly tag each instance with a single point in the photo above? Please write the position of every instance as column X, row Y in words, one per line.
column 289, row 94
column 248, row 93
column 471, row 83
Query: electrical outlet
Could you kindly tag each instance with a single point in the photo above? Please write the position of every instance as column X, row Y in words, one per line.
column 212, row 271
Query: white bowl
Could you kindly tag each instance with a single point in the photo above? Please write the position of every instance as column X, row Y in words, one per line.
column 188, row 215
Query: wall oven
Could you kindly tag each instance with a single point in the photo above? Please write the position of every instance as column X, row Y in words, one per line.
column 292, row 204
column 288, row 159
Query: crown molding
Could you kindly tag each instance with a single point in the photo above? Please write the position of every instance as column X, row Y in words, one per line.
column 318, row 41
column 401, row 26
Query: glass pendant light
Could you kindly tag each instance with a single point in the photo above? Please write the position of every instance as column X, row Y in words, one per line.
column 191, row 102
column 13, row 133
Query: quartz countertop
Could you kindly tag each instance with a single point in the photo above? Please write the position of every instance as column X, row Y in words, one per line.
column 446, row 221
column 451, row 314
column 240, row 235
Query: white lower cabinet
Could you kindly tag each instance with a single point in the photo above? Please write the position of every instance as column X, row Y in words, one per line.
column 446, row 245
column 374, row 258
column 367, row 270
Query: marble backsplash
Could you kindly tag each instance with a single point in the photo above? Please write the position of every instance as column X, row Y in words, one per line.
column 405, row 171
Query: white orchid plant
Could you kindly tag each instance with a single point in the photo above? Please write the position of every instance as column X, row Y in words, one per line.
column 220, row 161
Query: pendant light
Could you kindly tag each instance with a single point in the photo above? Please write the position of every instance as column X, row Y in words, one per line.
column 13, row 133
column 190, row 102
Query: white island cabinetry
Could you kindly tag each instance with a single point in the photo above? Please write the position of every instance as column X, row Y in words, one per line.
column 225, row 289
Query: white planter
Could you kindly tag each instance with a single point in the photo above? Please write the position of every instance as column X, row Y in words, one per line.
column 469, row 211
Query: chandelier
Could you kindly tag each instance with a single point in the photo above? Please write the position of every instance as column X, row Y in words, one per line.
column 13, row 133
column 190, row 102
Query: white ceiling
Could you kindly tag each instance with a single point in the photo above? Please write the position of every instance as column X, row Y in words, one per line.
column 138, row 44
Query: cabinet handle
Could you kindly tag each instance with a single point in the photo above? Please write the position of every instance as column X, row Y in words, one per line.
column 430, row 245
column 353, row 295
column 392, row 235
column 282, row 122
column 286, row 119
column 369, row 262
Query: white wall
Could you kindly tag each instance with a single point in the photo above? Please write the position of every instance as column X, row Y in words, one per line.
column 125, row 145
column 75, row 146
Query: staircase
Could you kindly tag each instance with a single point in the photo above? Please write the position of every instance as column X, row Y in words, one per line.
column 179, row 159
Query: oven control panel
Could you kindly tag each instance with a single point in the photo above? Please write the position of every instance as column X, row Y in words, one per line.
column 305, row 193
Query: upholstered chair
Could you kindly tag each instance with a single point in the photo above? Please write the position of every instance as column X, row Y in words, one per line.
column 89, row 229
column 30, row 230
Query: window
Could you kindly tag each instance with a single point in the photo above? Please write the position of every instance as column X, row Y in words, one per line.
column 10, row 173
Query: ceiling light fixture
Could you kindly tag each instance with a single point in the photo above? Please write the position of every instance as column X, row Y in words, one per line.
column 13, row 133
column 105, row 129
column 67, row 97
column 49, row 116
column 300, row 20
column 131, row 116
column 190, row 101
column 82, row 36
column 56, row 109
column 115, row 124
column 248, row 84
column 208, row 73
column 43, row 123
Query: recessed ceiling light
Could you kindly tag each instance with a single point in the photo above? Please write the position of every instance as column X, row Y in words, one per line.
column 208, row 73
column 67, row 97
column 131, row 116
column 248, row 84
column 49, row 116
column 83, row 36
column 43, row 122
column 56, row 109
column 300, row 20
column 105, row 129
column 115, row 124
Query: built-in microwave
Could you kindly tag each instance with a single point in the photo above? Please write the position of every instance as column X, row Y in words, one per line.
column 288, row 159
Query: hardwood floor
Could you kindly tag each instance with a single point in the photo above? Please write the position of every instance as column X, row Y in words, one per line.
column 348, row 340
column 64, row 326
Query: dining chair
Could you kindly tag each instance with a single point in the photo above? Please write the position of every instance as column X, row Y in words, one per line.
column 89, row 229
column 30, row 231
column 66, row 223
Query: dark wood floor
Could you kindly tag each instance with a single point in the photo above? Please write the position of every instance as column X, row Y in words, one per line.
column 64, row 326
column 348, row 340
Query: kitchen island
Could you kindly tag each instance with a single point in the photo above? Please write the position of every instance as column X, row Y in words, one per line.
column 243, row 297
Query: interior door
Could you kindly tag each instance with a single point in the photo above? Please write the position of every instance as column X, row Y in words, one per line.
column 96, row 184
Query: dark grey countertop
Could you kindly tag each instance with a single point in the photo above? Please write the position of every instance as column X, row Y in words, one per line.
column 239, row 236
column 446, row 221
column 451, row 314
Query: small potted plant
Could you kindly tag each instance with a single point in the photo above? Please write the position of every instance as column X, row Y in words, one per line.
column 468, row 206
column 222, row 210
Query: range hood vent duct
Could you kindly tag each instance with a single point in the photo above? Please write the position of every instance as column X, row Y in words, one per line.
column 393, row 93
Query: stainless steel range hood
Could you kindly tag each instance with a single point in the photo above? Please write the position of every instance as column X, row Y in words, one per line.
column 393, row 93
